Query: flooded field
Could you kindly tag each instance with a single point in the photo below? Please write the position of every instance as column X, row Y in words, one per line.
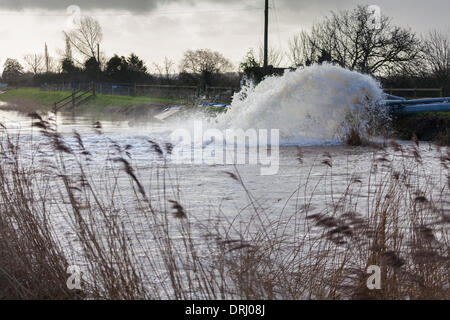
column 261, row 202
column 118, row 179
column 206, row 185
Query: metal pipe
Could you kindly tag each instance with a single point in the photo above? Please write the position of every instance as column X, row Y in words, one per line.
column 392, row 97
column 436, row 107
column 417, row 101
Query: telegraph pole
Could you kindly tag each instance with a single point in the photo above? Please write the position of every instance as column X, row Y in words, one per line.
column 266, row 34
column 99, row 70
column 47, row 59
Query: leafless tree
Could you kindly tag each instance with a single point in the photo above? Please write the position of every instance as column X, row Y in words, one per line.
column 437, row 54
column 85, row 38
column 204, row 61
column 275, row 57
column 351, row 39
column 67, row 54
column 166, row 69
column 301, row 51
column 54, row 65
column 50, row 63
column 34, row 63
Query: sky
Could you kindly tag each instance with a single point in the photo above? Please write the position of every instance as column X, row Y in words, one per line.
column 154, row 29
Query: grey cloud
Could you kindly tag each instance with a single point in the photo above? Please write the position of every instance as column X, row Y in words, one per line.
column 135, row 5
column 140, row 5
column 415, row 13
column 148, row 5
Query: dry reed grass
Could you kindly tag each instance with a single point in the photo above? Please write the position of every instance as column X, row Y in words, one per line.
column 160, row 251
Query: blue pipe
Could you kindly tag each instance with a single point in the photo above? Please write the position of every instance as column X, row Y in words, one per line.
column 417, row 101
column 392, row 97
column 436, row 107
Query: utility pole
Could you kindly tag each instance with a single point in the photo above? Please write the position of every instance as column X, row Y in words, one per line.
column 47, row 59
column 266, row 34
column 99, row 70
column 98, row 54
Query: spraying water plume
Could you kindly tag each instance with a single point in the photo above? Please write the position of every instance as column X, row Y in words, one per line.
column 316, row 105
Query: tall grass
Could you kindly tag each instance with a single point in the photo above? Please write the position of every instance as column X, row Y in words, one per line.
column 60, row 211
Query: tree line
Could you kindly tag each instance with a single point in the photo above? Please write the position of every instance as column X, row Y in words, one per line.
column 396, row 55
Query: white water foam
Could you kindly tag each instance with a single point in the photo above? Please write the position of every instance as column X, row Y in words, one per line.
column 310, row 106
column 315, row 105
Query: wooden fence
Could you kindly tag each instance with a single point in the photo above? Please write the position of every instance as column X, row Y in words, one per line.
column 217, row 94
column 223, row 94
column 415, row 92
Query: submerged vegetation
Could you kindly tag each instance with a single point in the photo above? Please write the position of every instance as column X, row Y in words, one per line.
column 54, row 216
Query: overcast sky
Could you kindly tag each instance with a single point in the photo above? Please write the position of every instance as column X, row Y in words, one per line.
column 154, row 29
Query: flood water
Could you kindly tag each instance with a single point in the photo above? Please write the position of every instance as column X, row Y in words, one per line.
column 311, row 181
column 270, row 175
column 326, row 169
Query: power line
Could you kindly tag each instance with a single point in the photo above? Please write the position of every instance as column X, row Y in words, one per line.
column 277, row 21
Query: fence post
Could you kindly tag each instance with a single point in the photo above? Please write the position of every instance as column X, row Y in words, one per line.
column 73, row 99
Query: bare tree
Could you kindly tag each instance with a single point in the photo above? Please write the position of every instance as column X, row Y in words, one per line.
column 350, row 39
column 437, row 54
column 204, row 61
column 85, row 38
column 50, row 64
column 34, row 63
column 54, row 65
column 68, row 49
column 275, row 57
column 66, row 53
column 301, row 51
column 166, row 69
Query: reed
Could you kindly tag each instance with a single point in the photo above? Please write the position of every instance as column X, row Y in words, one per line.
column 54, row 215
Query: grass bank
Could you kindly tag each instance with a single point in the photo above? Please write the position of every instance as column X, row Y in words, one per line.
column 427, row 126
column 33, row 99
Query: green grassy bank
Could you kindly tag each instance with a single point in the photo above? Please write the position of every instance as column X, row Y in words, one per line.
column 427, row 126
column 33, row 98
